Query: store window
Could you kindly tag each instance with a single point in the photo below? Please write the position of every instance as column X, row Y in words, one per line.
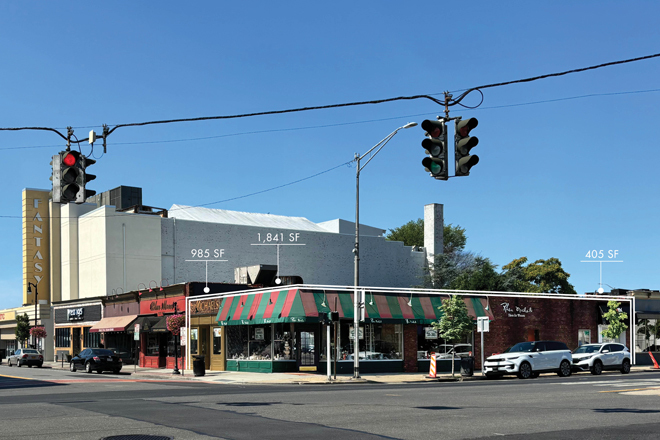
column 237, row 341
column 91, row 340
column 429, row 342
column 153, row 346
column 170, row 345
column 377, row 342
column 253, row 342
column 193, row 340
column 284, row 343
column 217, row 340
column 63, row 337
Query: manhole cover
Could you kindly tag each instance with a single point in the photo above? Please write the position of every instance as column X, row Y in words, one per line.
column 137, row 437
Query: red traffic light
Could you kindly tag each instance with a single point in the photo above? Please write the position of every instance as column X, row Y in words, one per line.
column 70, row 159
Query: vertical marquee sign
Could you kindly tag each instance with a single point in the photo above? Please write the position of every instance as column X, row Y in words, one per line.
column 36, row 244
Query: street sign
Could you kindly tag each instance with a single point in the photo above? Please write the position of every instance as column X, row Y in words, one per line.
column 136, row 335
column 183, row 332
column 483, row 324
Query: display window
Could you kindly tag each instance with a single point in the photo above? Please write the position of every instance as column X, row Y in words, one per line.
column 153, row 345
column 217, row 341
column 377, row 342
column 194, row 343
column 284, row 343
column 429, row 342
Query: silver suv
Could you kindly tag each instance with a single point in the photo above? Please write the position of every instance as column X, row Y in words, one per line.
column 529, row 359
column 599, row 357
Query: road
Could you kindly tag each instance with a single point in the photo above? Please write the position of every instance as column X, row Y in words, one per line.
column 58, row 404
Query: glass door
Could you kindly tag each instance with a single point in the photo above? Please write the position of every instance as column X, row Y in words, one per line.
column 308, row 343
column 76, row 340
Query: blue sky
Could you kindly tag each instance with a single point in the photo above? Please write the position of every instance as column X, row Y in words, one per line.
column 556, row 179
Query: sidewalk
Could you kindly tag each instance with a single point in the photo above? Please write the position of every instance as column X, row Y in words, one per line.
column 245, row 378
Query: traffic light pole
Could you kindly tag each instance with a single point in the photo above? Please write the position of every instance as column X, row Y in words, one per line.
column 356, row 249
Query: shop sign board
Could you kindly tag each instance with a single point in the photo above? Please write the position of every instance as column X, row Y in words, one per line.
column 77, row 314
column 515, row 311
column 8, row 316
column 430, row 333
column 162, row 306
column 205, row 307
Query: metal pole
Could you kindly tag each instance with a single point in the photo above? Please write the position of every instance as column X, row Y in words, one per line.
column 176, row 356
column 328, row 352
column 356, row 317
column 482, row 351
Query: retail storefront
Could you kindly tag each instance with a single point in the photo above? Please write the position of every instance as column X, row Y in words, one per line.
column 156, row 342
column 283, row 330
column 119, row 312
column 73, row 321
column 206, row 336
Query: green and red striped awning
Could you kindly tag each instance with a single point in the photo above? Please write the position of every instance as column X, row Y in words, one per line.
column 296, row 305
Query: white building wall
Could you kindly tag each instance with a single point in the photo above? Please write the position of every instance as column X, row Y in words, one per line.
column 118, row 252
column 69, row 248
column 325, row 258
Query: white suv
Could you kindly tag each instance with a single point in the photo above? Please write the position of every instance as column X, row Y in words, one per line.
column 529, row 359
column 599, row 357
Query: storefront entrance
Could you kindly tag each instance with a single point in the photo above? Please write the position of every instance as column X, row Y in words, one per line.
column 308, row 341
column 75, row 340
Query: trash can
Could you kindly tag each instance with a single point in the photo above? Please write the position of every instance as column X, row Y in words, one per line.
column 467, row 366
column 199, row 366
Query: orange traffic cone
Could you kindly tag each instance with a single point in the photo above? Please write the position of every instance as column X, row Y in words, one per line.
column 654, row 362
column 432, row 369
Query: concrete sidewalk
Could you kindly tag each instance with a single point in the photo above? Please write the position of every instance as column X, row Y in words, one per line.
column 246, row 378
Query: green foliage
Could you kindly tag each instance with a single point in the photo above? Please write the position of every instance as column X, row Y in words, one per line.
column 541, row 276
column 412, row 234
column 455, row 324
column 480, row 275
column 615, row 319
column 22, row 328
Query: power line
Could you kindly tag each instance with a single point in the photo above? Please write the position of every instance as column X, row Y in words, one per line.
column 230, row 199
column 359, row 103
column 340, row 124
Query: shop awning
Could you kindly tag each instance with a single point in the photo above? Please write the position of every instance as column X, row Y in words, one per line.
column 160, row 326
column 146, row 323
column 295, row 305
column 113, row 324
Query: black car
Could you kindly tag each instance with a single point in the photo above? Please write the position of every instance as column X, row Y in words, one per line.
column 96, row 359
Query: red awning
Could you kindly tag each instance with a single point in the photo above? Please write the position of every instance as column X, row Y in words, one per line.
column 114, row 324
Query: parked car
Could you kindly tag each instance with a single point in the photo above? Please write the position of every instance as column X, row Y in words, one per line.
column 96, row 359
column 460, row 350
column 26, row 356
column 599, row 357
column 529, row 359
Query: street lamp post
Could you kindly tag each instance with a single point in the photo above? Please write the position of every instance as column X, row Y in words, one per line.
column 36, row 296
column 356, row 250
column 176, row 354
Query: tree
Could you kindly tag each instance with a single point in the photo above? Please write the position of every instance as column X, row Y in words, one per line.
column 541, row 276
column 455, row 324
column 22, row 328
column 412, row 234
column 616, row 320
column 480, row 275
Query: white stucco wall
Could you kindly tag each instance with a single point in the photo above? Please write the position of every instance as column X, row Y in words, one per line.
column 325, row 258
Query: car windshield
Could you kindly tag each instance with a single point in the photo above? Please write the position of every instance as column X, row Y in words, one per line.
column 587, row 349
column 102, row 352
column 30, row 351
column 520, row 347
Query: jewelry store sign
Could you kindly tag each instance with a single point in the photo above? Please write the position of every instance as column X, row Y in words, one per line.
column 515, row 311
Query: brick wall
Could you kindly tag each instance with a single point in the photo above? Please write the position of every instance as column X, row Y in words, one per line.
column 410, row 348
column 529, row 318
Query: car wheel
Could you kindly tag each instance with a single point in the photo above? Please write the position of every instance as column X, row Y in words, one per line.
column 88, row 367
column 9, row 362
column 72, row 367
column 18, row 364
column 99, row 371
column 564, row 369
column 116, row 371
column 525, row 371
column 39, row 365
column 625, row 367
column 597, row 368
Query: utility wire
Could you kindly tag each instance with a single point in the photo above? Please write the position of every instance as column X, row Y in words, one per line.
column 230, row 199
column 351, row 104
column 339, row 124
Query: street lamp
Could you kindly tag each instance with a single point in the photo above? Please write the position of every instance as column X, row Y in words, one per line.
column 36, row 295
column 176, row 355
column 356, row 302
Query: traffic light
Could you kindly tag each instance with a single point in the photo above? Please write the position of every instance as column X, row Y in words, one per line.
column 73, row 177
column 56, row 177
column 436, row 147
column 463, row 143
